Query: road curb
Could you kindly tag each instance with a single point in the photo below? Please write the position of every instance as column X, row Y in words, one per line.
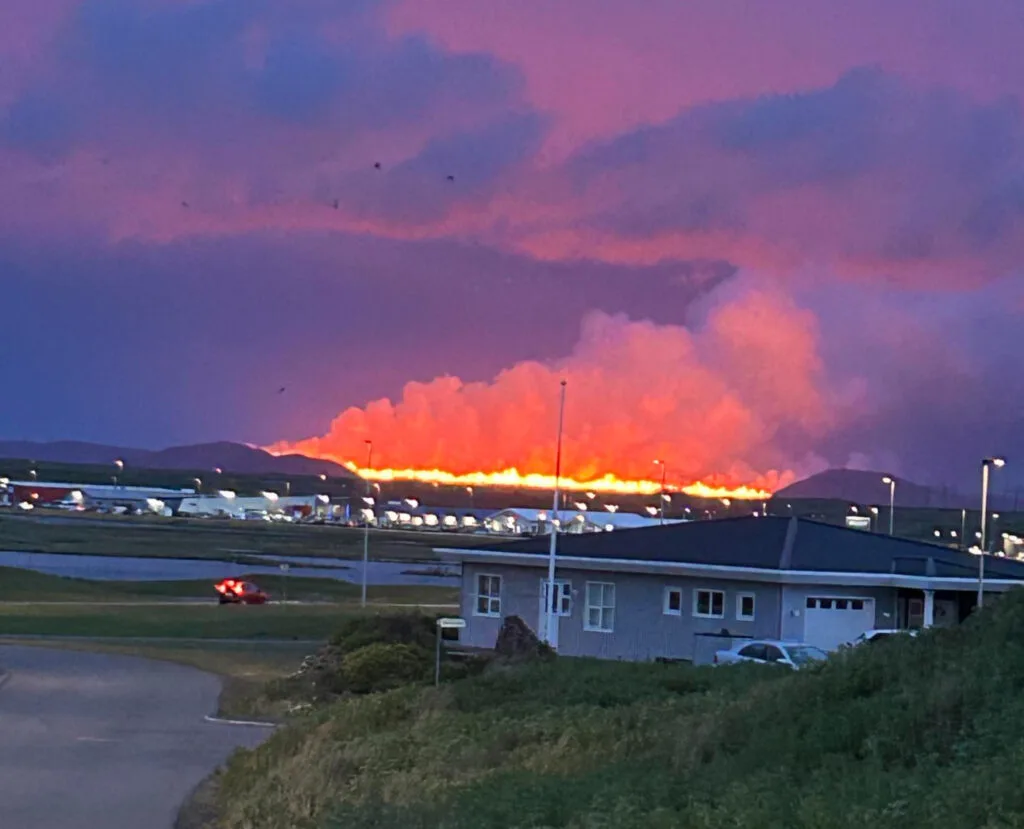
column 219, row 721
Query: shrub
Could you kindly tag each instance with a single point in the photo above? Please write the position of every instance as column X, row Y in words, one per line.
column 392, row 629
column 381, row 667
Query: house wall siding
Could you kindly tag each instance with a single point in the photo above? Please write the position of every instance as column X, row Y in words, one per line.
column 642, row 631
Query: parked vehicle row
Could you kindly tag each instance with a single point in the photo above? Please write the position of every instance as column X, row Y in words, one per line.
column 794, row 655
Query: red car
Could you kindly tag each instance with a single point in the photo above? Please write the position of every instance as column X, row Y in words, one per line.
column 235, row 591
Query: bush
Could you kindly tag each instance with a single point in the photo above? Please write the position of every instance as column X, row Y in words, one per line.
column 381, row 667
column 393, row 629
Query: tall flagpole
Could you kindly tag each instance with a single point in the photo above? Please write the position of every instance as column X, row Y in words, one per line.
column 549, row 625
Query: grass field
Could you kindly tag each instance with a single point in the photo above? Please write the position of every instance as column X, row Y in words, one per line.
column 17, row 585
column 66, row 532
column 186, row 621
column 906, row 734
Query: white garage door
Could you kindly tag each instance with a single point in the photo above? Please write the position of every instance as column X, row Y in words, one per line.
column 829, row 621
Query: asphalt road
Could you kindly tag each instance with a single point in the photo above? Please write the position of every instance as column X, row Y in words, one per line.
column 97, row 741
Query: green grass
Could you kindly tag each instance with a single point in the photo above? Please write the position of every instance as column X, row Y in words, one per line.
column 86, row 533
column 906, row 733
column 169, row 621
column 17, row 585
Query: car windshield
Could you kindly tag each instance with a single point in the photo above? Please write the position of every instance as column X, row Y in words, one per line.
column 802, row 654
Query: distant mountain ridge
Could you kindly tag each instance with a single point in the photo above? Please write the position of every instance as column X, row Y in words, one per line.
column 231, row 457
column 866, row 488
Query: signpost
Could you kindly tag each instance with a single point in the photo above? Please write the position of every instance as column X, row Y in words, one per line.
column 449, row 623
column 284, row 581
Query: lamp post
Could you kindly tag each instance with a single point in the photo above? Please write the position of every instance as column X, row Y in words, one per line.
column 120, row 468
column 986, row 465
column 874, row 519
column 891, row 481
column 661, row 498
column 549, row 625
column 366, row 524
column 963, row 528
column 469, row 492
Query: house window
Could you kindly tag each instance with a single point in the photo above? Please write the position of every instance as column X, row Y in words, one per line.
column 673, row 602
column 600, row 606
column 562, row 604
column 709, row 604
column 745, row 607
column 488, row 596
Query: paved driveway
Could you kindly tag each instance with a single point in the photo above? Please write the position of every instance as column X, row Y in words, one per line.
column 97, row 741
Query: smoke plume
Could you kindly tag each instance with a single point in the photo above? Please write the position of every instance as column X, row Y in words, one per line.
column 735, row 400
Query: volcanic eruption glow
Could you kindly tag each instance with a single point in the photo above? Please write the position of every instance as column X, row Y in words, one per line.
column 513, row 478
column 714, row 401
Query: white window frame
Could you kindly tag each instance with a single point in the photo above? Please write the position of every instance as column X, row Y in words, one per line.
column 565, row 606
column 603, row 608
column 711, row 603
column 493, row 599
column 665, row 608
column 740, row 617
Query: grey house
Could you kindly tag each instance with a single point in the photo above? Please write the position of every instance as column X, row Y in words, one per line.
column 686, row 590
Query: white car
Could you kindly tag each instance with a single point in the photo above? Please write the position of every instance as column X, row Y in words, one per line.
column 880, row 634
column 794, row 655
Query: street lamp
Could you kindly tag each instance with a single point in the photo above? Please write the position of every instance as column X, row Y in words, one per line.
column 199, row 484
column 891, row 481
column 986, row 465
column 366, row 524
column 664, row 469
column 120, row 468
column 469, row 491
column 963, row 528
column 874, row 519
column 550, row 637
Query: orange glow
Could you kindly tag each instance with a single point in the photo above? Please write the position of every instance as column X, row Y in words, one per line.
column 513, row 478
column 713, row 402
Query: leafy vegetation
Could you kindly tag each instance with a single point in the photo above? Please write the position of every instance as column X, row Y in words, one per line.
column 904, row 733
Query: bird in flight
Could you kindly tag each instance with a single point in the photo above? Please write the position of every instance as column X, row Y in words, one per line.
column 184, row 204
column 335, row 204
column 451, row 178
column 281, row 390
column 376, row 165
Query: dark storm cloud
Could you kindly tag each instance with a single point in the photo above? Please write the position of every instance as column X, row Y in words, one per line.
column 205, row 73
column 906, row 172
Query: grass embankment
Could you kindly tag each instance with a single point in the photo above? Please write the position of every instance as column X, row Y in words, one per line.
column 905, row 733
column 85, row 533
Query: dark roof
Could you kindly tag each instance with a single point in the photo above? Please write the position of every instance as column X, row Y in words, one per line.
column 762, row 543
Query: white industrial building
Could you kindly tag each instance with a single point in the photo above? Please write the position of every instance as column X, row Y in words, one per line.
column 267, row 505
column 531, row 521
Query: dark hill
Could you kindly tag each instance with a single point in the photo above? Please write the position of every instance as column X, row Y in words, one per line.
column 231, row 457
column 863, row 487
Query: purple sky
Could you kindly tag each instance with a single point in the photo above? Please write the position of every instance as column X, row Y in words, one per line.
column 759, row 238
